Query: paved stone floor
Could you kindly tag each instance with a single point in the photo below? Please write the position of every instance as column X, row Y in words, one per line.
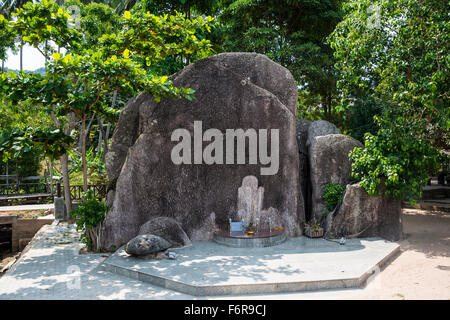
column 52, row 268
column 298, row 264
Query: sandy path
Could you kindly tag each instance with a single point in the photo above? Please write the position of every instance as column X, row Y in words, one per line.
column 422, row 270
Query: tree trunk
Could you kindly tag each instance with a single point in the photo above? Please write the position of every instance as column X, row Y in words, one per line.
column 88, row 129
column 64, row 159
column 21, row 57
column 83, row 151
column 100, row 135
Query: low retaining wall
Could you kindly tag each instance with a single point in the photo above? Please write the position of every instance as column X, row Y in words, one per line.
column 23, row 230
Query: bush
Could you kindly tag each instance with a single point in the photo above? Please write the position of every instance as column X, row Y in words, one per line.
column 333, row 195
column 88, row 218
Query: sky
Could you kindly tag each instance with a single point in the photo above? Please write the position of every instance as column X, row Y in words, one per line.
column 32, row 59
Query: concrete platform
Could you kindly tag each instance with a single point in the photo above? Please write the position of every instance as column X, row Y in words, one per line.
column 299, row 264
column 238, row 239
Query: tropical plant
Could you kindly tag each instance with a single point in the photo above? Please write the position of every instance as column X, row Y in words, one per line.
column 7, row 7
column 292, row 34
column 88, row 218
column 82, row 80
column 313, row 225
column 393, row 59
column 333, row 194
column 397, row 157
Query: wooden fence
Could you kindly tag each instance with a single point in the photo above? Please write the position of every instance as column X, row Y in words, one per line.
column 76, row 191
column 40, row 189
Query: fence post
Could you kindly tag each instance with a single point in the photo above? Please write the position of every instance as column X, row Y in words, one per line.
column 7, row 178
column 17, row 178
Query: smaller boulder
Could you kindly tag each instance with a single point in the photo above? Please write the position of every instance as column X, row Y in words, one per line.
column 329, row 162
column 146, row 244
column 320, row 128
column 168, row 229
column 362, row 215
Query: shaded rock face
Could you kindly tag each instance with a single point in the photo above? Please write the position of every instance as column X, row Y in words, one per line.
column 168, row 229
column 233, row 90
column 329, row 162
column 146, row 244
column 305, row 183
column 361, row 215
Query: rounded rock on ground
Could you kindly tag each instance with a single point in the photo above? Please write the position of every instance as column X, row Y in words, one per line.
column 146, row 244
column 167, row 228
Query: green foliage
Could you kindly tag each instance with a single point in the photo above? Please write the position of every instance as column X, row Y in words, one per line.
column 107, row 54
column 397, row 57
column 87, row 217
column 313, row 224
column 52, row 141
column 393, row 58
column 397, row 157
column 333, row 195
column 17, row 143
column 6, row 37
column 17, row 148
column 95, row 165
column 360, row 117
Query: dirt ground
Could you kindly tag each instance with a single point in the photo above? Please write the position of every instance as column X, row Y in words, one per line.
column 422, row 270
column 28, row 214
column 6, row 256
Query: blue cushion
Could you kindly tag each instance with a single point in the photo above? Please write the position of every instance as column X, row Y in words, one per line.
column 236, row 226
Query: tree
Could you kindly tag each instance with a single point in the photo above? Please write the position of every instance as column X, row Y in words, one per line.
column 395, row 55
column 81, row 81
column 6, row 8
column 293, row 34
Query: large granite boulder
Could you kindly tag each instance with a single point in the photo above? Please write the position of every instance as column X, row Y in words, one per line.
column 168, row 229
column 146, row 244
column 232, row 90
column 329, row 162
column 361, row 215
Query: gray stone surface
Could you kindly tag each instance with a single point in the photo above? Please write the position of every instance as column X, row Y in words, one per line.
column 168, row 229
column 361, row 215
column 298, row 264
column 60, row 208
column 250, row 201
column 233, row 90
column 329, row 162
column 52, row 268
column 250, row 242
column 146, row 244
column 124, row 136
